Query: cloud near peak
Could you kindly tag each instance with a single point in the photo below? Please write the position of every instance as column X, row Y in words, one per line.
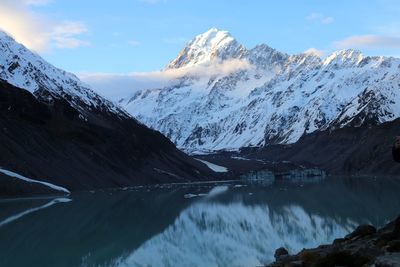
column 117, row 86
column 314, row 51
column 36, row 31
column 36, row 2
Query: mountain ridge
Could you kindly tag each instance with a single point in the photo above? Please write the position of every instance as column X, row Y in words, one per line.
column 55, row 129
column 211, row 45
column 276, row 100
column 25, row 69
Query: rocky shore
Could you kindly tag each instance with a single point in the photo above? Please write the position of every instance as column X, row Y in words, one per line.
column 366, row 246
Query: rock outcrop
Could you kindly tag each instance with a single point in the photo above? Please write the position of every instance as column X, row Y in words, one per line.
column 366, row 246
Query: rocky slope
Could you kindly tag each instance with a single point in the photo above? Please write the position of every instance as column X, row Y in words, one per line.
column 364, row 150
column 364, row 247
column 55, row 129
column 260, row 96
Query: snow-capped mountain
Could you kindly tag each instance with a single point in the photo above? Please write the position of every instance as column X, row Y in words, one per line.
column 206, row 47
column 275, row 98
column 24, row 69
column 54, row 130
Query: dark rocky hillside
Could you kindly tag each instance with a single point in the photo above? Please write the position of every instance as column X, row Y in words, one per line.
column 365, row 150
column 45, row 138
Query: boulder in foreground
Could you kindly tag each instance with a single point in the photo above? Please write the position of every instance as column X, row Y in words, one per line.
column 363, row 247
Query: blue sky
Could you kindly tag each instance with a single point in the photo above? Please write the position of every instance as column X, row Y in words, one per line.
column 124, row 36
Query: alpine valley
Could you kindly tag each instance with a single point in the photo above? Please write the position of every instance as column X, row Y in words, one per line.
column 59, row 135
column 339, row 113
column 227, row 156
column 246, row 109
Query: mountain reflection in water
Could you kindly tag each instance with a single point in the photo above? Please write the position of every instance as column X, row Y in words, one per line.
column 235, row 225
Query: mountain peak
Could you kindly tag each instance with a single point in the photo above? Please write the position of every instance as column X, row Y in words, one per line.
column 209, row 46
column 345, row 57
column 212, row 37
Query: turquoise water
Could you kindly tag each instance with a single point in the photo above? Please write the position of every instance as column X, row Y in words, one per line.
column 214, row 224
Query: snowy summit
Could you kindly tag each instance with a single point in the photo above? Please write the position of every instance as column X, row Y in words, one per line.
column 276, row 99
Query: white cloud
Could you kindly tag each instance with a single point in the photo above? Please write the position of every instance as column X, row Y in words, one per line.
column 23, row 26
column 64, row 34
column 37, row 2
column 134, row 42
column 369, row 41
column 36, row 31
column 320, row 18
column 212, row 69
column 69, row 42
column 69, row 28
column 117, row 86
column 314, row 51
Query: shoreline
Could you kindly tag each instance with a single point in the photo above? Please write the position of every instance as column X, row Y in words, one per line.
column 365, row 246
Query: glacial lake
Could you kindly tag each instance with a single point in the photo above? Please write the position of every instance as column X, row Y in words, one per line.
column 210, row 224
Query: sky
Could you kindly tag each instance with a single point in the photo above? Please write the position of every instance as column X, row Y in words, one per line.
column 125, row 36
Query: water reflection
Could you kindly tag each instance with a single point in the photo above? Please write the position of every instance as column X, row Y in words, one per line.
column 28, row 211
column 239, row 224
column 211, row 234
column 266, row 177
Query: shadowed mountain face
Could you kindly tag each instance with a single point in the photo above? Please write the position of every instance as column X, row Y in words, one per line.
column 48, row 139
column 360, row 150
column 54, row 128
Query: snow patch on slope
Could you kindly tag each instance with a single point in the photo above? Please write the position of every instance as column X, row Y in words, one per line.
column 23, row 178
column 213, row 167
